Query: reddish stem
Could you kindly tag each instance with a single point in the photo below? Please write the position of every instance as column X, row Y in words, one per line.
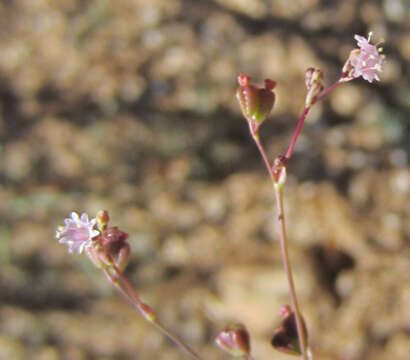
column 283, row 246
column 297, row 132
column 288, row 271
column 124, row 286
column 255, row 136
column 303, row 117
column 327, row 91
column 127, row 284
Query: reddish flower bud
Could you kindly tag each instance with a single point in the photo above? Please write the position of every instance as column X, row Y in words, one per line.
column 113, row 236
column 99, row 255
column 285, row 311
column 123, row 256
column 235, row 340
column 115, row 245
column 285, row 338
column 256, row 103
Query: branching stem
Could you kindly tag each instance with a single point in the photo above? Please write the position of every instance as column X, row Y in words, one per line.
column 303, row 117
column 253, row 127
column 284, row 248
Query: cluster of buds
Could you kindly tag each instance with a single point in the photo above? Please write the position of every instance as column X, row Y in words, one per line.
column 285, row 338
column 105, row 246
column 235, row 340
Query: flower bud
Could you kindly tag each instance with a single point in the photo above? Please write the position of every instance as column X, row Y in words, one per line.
column 115, row 244
column 285, row 311
column 123, row 256
column 102, row 219
column 313, row 80
column 313, row 76
column 256, row 103
column 98, row 255
column 279, row 170
column 308, row 77
column 235, row 340
column 285, row 338
column 314, row 91
column 113, row 235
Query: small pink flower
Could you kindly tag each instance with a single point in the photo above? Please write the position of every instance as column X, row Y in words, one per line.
column 77, row 232
column 367, row 60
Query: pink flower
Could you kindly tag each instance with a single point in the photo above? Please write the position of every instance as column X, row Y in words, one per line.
column 366, row 61
column 77, row 232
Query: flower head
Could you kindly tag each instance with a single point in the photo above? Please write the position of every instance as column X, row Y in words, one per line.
column 77, row 232
column 365, row 61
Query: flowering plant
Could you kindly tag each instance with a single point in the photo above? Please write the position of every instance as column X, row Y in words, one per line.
column 108, row 249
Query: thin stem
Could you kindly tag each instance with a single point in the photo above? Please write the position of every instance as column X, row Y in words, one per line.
column 126, row 289
column 120, row 288
column 255, row 137
column 176, row 340
column 288, row 270
column 297, row 132
column 327, row 91
column 284, row 250
column 303, row 117
column 127, row 284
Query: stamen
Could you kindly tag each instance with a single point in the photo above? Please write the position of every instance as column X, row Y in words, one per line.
column 380, row 49
column 370, row 36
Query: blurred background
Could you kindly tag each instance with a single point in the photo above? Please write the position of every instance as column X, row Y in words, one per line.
column 129, row 106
